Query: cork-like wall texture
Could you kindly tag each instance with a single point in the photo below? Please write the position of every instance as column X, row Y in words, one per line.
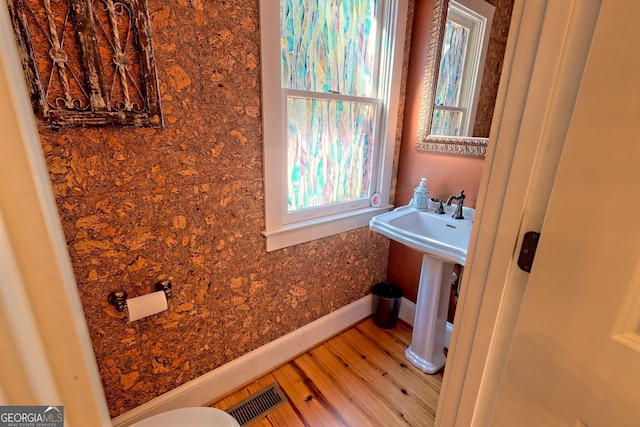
column 186, row 202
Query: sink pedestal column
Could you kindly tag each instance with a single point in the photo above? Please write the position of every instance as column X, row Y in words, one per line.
column 426, row 351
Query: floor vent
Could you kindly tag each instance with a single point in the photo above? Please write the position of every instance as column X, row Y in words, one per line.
column 258, row 405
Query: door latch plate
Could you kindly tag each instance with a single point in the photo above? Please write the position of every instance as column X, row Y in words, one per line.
column 528, row 250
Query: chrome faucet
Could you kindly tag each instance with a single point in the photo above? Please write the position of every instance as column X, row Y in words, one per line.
column 460, row 198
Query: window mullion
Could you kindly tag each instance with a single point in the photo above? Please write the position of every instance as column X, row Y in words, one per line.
column 450, row 108
column 328, row 95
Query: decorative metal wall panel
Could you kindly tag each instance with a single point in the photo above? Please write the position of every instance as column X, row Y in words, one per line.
column 88, row 62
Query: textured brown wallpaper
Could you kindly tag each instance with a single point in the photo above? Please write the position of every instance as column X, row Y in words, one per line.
column 186, row 202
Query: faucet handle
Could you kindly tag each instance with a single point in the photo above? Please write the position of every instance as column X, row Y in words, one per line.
column 458, row 213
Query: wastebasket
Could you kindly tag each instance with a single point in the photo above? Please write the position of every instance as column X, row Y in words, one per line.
column 386, row 304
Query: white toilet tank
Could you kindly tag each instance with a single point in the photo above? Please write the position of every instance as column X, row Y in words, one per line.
column 192, row 417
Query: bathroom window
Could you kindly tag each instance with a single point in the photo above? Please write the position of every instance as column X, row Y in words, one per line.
column 331, row 71
column 464, row 46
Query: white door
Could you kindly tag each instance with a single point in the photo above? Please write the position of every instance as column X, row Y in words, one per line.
column 575, row 354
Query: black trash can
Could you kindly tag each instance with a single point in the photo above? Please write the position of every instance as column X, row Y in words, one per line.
column 386, row 304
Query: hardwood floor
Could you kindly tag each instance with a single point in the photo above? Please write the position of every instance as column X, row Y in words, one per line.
column 358, row 378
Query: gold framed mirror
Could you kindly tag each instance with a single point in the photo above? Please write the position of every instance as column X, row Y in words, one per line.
column 456, row 145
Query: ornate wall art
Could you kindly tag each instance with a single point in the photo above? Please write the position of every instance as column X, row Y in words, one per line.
column 88, row 62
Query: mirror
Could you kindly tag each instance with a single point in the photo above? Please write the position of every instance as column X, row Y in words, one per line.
column 476, row 145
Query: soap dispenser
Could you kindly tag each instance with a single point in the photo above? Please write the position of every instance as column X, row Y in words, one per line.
column 421, row 196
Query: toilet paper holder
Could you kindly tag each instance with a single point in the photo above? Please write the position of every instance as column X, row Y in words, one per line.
column 119, row 298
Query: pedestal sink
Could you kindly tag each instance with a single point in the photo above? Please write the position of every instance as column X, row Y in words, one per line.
column 443, row 241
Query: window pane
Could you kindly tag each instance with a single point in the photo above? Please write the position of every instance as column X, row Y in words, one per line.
column 450, row 78
column 330, row 148
column 446, row 122
column 328, row 45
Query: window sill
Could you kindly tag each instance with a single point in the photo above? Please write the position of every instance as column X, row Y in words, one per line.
column 306, row 231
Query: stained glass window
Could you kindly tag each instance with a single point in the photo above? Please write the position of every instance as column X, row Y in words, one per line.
column 328, row 70
column 329, row 151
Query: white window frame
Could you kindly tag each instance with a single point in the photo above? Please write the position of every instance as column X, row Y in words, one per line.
column 280, row 232
column 478, row 16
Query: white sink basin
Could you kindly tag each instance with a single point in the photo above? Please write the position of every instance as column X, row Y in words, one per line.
column 443, row 242
column 438, row 235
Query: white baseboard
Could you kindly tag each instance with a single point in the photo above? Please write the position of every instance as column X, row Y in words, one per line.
column 252, row 365
column 408, row 313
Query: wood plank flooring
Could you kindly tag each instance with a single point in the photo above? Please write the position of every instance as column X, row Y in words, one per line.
column 358, row 378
